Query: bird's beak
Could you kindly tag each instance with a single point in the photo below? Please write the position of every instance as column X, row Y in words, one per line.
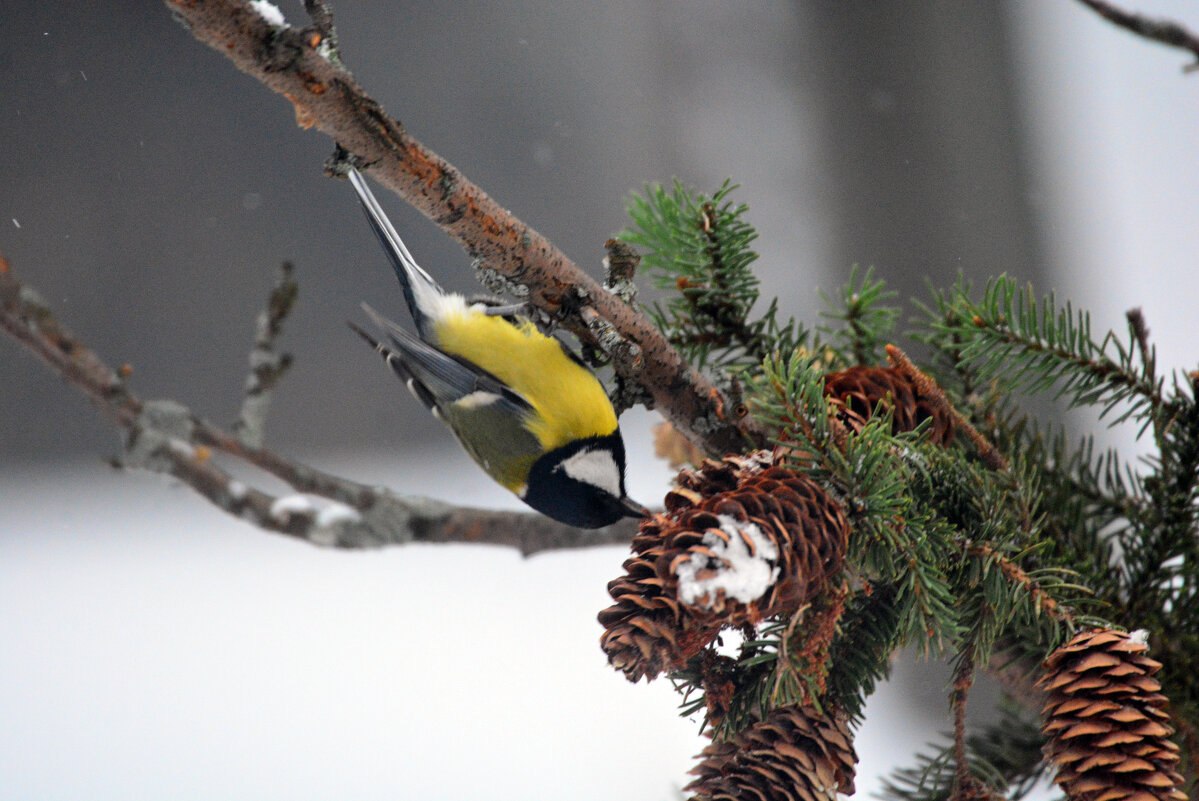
column 632, row 508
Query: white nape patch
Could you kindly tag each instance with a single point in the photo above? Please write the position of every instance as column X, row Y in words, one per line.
column 269, row 12
column 595, row 467
column 438, row 305
column 743, row 571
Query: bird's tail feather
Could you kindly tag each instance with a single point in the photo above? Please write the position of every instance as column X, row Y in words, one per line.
column 419, row 287
column 395, row 360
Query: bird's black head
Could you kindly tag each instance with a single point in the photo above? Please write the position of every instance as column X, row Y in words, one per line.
column 582, row 483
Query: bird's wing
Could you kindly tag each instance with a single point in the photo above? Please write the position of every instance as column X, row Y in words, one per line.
column 445, row 378
column 485, row 415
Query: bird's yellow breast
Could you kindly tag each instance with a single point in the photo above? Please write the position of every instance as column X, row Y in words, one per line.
column 569, row 402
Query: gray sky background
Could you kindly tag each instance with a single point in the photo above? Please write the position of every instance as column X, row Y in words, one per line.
column 156, row 189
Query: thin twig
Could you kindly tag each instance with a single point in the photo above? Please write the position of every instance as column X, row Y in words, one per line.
column 267, row 366
column 1164, row 31
column 816, row 628
column 321, row 14
column 1140, row 333
column 929, row 388
column 1016, row 574
column 326, row 95
column 963, row 680
column 166, row 437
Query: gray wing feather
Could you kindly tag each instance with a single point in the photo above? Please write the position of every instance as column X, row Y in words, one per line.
column 445, row 378
column 486, row 416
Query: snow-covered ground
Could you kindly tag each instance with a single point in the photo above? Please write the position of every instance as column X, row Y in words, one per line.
column 155, row 648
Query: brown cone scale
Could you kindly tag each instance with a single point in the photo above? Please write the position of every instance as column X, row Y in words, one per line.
column 855, row 393
column 1107, row 728
column 650, row 629
column 794, row 754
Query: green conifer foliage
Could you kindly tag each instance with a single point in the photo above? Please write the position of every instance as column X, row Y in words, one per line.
column 992, row 550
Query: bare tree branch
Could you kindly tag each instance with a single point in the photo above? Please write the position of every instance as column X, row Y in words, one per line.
column 166, row 437
column 267, row 366
column 291, row 62
column 1165, row 31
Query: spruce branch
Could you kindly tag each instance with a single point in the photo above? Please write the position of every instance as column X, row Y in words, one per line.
column 894, row 540
column 698, row 248
column 867, row 321
column 166, row 437
column 293, row 63
column 861, row 652
column 996, row 553
column 1081, row 500
column 926, row 524
column 1034, row 346
column 1043, row 601
column 1165, row 528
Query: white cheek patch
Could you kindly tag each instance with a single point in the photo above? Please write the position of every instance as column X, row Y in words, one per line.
column 597, row 468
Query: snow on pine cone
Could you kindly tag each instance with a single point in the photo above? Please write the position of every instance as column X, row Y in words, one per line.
column 741, row 539
column 1108, row 733
column 794, row 754
column 854, row 394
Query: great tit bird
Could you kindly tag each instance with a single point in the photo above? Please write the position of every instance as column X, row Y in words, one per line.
column 524, row 407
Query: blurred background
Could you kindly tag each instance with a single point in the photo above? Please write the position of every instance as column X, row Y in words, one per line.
column 152, row 646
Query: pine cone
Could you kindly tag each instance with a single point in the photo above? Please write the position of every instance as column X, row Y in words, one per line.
column 854, row 394
column 741, row 540
column 795, row 754
column 1108, row 732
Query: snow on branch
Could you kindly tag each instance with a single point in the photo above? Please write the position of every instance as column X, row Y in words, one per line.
column 166, row 437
